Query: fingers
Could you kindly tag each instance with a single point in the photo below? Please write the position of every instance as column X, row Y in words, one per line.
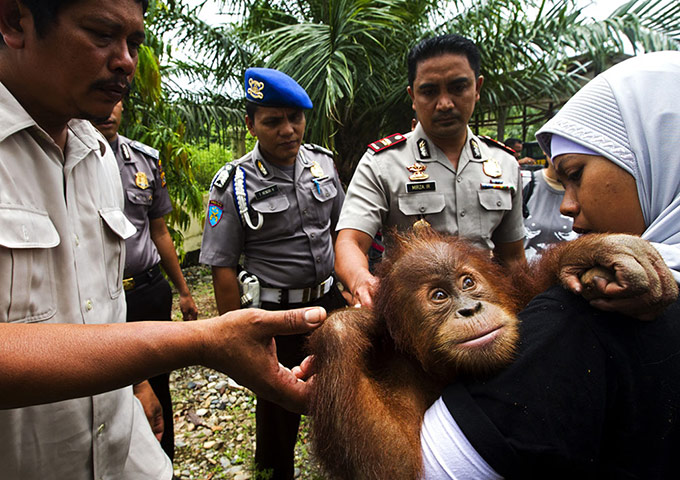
column 284, row 322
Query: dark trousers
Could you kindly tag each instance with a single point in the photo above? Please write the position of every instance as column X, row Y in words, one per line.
column 153, row 301
column 275, row 427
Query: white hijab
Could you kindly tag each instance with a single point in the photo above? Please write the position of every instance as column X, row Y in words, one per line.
column 630, row 114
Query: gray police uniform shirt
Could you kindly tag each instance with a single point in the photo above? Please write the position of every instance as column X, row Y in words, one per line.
column 294, row 247
column 545, row 224
column 481, row 201
column 146, row 198
column 61, row 260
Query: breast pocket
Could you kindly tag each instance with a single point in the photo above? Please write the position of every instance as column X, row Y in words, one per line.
column 27, row 241
column 274, row 211
column 115, row 229
column 496, row 203
column 422, row 203
column 323, row 192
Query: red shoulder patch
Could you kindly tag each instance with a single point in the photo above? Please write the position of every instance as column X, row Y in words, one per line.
column 495, row 143
column 387, row 142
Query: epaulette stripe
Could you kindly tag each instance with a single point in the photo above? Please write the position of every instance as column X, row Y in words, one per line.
column 495, row 143
column 387, row 142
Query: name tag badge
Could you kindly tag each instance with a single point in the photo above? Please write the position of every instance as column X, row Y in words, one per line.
column 421, row 187
column 266, row 192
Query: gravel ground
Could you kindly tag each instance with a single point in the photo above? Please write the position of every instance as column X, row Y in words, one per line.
column 215, row 417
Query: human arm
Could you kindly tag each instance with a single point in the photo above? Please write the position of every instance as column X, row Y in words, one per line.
column 43, row 363
column 152, row 407
column 225, row 285
column 166, row 249
column 351, row 265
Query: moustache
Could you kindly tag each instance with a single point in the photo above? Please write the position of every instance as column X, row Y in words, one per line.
column 116, row 83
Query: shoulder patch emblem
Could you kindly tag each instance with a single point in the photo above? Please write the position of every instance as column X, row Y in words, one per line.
column 387, row 142
column 145, row 149
column 495, row 143
column 214, row 212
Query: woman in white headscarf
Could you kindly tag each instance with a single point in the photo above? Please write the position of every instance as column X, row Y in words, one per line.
column 591, row 394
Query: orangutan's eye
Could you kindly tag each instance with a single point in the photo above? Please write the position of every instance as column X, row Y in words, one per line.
column 467, row 283
column 439, row 295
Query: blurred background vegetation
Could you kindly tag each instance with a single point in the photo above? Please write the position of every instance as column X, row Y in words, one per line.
column 350, row 56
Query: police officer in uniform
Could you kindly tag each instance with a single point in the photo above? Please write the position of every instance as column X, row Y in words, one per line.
column 147, row 292
column 440, row 173
column 276, row 208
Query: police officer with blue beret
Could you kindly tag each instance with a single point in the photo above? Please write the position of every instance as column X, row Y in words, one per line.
column 275, row 209
column 147, row 292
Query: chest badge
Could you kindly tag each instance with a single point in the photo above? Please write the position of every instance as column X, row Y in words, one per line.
column 317, row 170
column 417, row 172
column 141, row 180
column 214, row 212
column 492, row 168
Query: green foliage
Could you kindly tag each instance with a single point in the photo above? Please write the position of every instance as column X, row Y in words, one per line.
column 206, row 162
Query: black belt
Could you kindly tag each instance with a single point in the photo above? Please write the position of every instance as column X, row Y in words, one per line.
column 147, row 276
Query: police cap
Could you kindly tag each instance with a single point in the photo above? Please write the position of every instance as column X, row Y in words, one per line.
column 270, row 88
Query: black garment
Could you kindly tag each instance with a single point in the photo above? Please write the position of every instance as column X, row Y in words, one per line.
column 275, row 427
column 591, row 394
column 153, row 301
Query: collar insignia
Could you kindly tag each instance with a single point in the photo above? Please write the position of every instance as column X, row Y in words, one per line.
column 474, row 146
column 260, row 166
column 423, row 148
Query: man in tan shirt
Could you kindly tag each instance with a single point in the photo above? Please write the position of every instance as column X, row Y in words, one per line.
column 67, row 356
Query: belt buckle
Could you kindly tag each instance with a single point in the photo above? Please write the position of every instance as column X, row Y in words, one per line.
column 128, row 283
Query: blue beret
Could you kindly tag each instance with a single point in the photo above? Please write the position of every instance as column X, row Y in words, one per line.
column 271, row 88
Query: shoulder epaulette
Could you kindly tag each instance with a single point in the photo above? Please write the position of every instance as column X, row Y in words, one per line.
column 385, row 143
column 223, row 176
column 318, row 148
column 495, row 143
column 145, row 149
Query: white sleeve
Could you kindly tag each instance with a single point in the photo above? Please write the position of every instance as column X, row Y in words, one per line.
column 447, row 454
column 671, row 255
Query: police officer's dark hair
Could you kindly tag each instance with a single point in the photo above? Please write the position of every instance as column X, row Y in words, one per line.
column 45, row 11
column 509, row 142
column 442, row 45
column 251, row 109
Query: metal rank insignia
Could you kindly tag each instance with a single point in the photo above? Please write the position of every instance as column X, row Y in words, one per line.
column 260, row 166
column 418, row 172
column 317, row 170
column 141, row 181
column 492, row 168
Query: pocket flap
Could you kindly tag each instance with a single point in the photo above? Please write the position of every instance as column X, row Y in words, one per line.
column 275, row 204
column 25, row 227
column 139, row 197
column 421, row 203
column 326, row 190
column 495, row 199
column 118, row 222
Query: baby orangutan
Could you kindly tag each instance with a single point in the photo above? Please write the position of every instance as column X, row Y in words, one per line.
column 443, row 310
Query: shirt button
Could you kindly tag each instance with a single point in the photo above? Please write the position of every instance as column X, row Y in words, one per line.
column 313, row 235
column 318, row 259
column 88, row 305
column 459, row 179
column 304, row 212
column 100, row 429
column 422, row 209
column 271, row 207
column 498, row 203
column 76, row 239
column 462, row 213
